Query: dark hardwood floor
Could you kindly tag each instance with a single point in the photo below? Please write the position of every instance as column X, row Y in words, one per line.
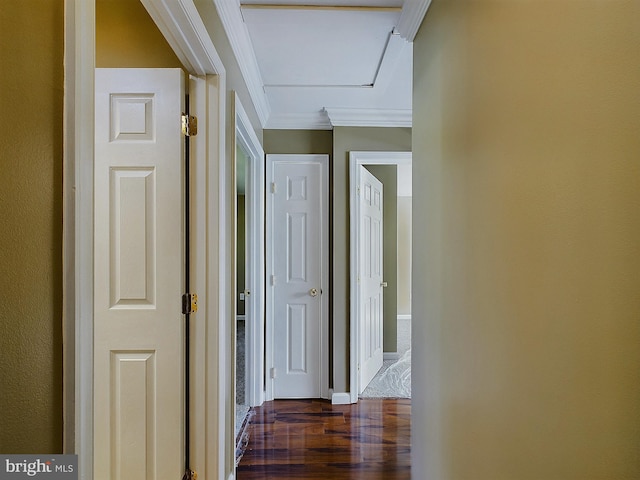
column 313, row 439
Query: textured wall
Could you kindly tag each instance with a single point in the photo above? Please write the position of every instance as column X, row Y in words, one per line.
column 31, row 81
column 526, row 300
column 126, row 36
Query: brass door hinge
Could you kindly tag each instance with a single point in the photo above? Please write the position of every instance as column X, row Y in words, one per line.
column 189, row 125
column 189, row 303
column 190, row 475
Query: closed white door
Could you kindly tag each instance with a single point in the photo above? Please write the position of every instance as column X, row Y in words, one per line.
column 370, row 277
column 298, row 246
column 138, row 333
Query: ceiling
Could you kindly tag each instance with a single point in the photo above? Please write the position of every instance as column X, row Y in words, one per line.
column 324, row 63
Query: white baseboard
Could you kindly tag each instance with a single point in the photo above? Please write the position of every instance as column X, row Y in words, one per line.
column 390, row 356
column 340, row 399
column 404, row 317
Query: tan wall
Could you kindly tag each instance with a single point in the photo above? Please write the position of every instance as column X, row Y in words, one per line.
column 387, row 174
column 526, row 298
column 404, row 255
column 127, row 37
column 346, row 139
column 31, row 81
column 298, row 141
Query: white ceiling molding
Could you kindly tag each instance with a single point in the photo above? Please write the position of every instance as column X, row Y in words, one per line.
column 299, row 121
column 180, row 23
column 365, row 117
column 413, row 12
column 234, row 26
column 390, row 58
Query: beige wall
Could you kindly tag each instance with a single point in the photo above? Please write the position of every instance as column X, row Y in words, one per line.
column 387, row 174
column 345, row 140
column 127, row 37
column 31, row 82
column 298, row 141
column 404, row 255
column 526, row 292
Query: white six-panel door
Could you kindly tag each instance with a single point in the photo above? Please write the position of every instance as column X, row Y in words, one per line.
column 370, row 276
column 138, row 364
column 298, row 249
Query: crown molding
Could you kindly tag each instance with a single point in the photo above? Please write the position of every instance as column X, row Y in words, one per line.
column 299, row 121
column 181, row 24
column 366, row 117
column 238, row 35
column 413, row 12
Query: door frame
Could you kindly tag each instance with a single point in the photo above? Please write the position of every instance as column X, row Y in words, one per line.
column 324, row 328
column 180, row 23
column 255, row 220
column 357, row 159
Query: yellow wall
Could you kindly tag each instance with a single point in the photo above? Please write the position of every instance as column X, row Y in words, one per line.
column 31, row 82
column 127, row 37
column 526, row 295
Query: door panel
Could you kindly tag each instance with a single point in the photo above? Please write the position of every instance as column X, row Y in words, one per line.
column 299, row 216
column 138, row 330
column 370, row 275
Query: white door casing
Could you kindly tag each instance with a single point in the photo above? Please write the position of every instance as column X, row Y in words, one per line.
column 356, row 160
column 370, row 276
column 298, row 267
column 139, row 274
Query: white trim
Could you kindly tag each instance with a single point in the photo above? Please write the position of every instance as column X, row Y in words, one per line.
column 199, row 270
column 389, row 62
column 219, row 434
column 404, row 317
column 356, row 159
column 255, row 209
column 413, row 13
column 341, row 398
column 78, row 243
column 368, row 117
column 241, row 318
column 299, row 121
column 236, row 30
column 184, row 30
column 323, row 160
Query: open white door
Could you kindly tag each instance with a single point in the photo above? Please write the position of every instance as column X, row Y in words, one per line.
column 138, row 336
column 298, row 265
column 370, row 276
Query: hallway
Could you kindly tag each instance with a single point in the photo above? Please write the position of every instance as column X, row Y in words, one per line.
column 314, row 439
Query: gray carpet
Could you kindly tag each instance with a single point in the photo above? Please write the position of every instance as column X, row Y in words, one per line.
column 394, row 378
column 242, row 410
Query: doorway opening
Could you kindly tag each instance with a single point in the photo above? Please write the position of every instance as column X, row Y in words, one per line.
column 393, row 377
column 249, row 287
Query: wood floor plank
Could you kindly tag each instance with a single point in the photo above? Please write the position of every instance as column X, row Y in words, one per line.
column 306, row 439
